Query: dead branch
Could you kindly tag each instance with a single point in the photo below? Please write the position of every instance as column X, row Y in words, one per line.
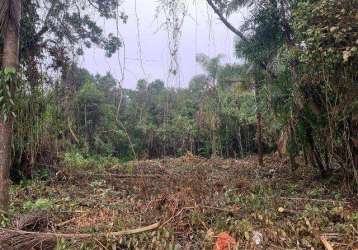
column 61, row 224
column 176, row 215
column 315, row 200
column 326, row 244
column 50, row 235
column 221, row 209
column 72, row 132
column 20, row 239
column 124, row 176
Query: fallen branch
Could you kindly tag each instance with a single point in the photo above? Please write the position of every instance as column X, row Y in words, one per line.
column 51, row 235
column 315, row 200
column 70, row 220
column 20, row 239
column 354, row 229
column 134, row 176
column 176, row 215
column 221, row 209
column 326, row 244
column 124, row 176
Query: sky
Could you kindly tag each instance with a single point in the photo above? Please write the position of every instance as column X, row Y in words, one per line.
column 202, row 32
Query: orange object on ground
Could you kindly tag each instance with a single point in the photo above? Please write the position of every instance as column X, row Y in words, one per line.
column 225, row 242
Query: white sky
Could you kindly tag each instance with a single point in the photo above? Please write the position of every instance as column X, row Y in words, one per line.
column 208, row 36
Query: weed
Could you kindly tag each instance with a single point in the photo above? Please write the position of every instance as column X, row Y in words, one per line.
column 291, row 188
column 40, row 204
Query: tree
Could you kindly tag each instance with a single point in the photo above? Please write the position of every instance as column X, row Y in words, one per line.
column 10, row 14
column 55, row 30
column 226, row 8
column 212, row 99
column 327, row 58
column 53, row 34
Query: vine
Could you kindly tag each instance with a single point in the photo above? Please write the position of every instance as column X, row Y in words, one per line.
column 174, row 13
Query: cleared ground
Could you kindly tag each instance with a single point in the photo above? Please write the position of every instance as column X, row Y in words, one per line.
column 186, row 203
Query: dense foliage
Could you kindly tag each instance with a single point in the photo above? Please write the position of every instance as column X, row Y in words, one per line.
column 306, row 52
column 148, row 122
column 87, row 164
column 295, row 92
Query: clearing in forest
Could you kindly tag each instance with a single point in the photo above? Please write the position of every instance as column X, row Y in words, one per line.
column 183, row 203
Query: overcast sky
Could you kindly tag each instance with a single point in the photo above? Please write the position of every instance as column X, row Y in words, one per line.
column 202, row 32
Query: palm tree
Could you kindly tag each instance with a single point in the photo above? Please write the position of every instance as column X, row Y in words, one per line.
column 10, row 14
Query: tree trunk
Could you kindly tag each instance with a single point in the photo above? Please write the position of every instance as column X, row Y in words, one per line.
column 258, row 125
column 240, row 143
column 10, row 59
column 5, row 161
column 214, row 137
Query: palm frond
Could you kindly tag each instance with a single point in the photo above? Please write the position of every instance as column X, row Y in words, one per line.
column 9, row 14
column 234, row 5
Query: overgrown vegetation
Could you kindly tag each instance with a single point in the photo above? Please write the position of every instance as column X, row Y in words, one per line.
column 70, row 133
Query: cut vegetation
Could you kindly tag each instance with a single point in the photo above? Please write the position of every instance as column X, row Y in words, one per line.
column 182, row 203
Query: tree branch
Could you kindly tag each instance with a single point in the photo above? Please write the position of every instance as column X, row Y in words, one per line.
column 238, row 33
column 226, row 22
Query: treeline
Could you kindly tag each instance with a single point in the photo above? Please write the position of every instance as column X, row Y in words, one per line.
column 304, row 53
column 296, row 90
column 91, row 115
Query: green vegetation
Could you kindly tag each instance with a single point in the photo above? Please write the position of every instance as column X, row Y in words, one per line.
column 79, row 148
column 285, row 88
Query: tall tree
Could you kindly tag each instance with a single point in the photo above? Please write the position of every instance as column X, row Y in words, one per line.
column 212, row 67
column 10, row 14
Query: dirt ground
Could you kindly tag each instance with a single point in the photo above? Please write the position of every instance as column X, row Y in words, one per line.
column 187, row 203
